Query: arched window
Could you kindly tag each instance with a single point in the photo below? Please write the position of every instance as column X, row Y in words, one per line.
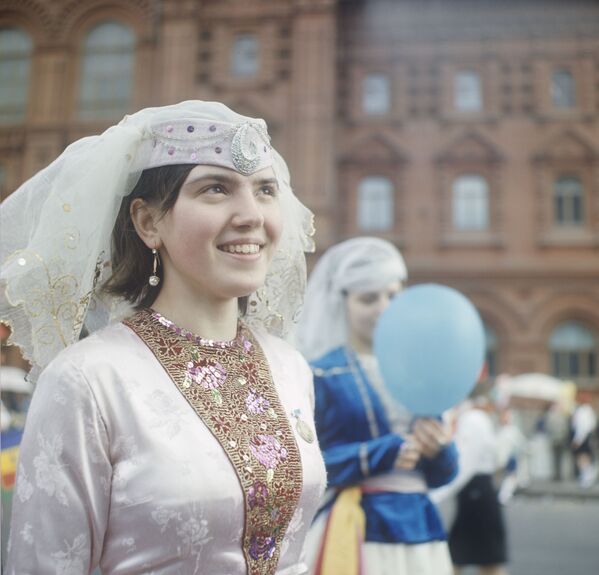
column 375, row 203
column 15, row 63
column 491, row 350
column 568, row 201
column 470, row 203
column 563, row 93
column 376, row 94
column 467, row 93
column 573, row 349
column 244, row 55
column 107, row 71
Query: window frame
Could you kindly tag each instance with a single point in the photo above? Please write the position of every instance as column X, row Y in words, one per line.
column 456, row 201
column 460, row 108
column 385, row 205
column 372, row 112
column 563, row 70
column 110, row 108
column 24, row 56
column 584, row 359
column 240, row 74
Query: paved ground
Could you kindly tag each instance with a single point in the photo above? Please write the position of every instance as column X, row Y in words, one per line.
column 552, row 535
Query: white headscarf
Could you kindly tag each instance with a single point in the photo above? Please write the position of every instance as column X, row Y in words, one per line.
column 57, row 227
column 360, row 264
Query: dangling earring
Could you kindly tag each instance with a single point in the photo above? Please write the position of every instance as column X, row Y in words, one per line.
column 154, row 280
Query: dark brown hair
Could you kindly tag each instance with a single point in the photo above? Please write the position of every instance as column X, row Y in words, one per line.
column 131, row 259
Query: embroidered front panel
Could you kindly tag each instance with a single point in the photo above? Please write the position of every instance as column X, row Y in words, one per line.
column 230, row 387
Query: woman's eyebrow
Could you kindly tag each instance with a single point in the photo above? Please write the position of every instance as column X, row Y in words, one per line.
column 266, row 181
column 214, row 177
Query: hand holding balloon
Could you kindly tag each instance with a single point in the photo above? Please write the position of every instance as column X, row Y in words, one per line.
column 431, row 436
column 430, row 345
column 409, row 454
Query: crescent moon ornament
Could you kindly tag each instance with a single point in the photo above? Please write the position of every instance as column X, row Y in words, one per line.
column 244, row 151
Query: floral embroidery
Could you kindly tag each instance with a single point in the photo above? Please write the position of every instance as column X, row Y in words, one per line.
column 268, row 451
column 48, row 475
column 246, row 343
column 256, row 403
column 257, row 494
column 60, row 395
column 221, row 424
column 189, row 527
column 207, row 373
column 167, row 413
column 24, row 486
column 126, row 457
column 231, row 389
column 26, row 533
column 262, row 546
column 72, row 560
column 129, row 544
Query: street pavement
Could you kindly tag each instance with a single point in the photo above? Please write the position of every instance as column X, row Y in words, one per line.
column 553, row 529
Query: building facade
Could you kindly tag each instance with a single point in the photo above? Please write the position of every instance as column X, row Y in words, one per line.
column 465, row 131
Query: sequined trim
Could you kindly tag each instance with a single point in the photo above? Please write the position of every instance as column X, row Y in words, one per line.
column 232, row 391
column 361, row 384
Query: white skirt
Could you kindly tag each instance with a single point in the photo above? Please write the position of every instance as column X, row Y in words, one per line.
column 387, row 558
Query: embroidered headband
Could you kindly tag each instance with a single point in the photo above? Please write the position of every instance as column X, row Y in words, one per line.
column 243, row 147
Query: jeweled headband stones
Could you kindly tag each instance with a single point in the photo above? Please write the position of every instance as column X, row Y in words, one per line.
column 243, row 147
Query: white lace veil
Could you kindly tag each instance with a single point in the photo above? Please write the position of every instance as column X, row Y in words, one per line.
column 56, row 228
column 360, row 264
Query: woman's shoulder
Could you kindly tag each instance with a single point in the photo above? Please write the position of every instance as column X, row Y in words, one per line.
column 274, row 345
column 110, row 345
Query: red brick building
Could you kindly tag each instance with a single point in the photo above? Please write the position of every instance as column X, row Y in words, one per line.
column 466, row 131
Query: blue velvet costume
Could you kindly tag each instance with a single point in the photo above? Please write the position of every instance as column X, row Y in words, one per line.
column 353, row 452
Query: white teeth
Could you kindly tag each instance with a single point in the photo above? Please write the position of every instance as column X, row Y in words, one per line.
column 242, row 249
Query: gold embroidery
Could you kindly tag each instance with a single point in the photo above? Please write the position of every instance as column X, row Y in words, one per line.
column 231, row 390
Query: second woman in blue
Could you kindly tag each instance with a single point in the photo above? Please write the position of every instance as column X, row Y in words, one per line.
column 380, row 461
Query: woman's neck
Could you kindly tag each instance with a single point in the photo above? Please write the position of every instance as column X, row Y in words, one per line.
column 210, row 319
column 359, row 345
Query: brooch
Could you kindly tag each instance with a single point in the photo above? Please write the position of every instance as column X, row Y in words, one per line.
column 302, row 428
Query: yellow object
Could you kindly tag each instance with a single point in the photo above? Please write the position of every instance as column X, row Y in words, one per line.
column 345, row 533
column 8, row 465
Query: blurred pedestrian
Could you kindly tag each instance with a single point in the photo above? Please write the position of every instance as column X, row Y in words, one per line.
column 558, row 432
column 511, row 446
column 477, row 536
column 584, row 423
column 377, row 517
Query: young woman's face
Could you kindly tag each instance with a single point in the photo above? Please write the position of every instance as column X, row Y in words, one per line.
column 364, row 308
column 220, row 236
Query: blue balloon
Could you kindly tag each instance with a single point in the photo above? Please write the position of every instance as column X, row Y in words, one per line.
column 430, row 344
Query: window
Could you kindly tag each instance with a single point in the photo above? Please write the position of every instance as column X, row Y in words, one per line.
column 490, row 351
column 574, row 351
column 470, row 203
column 467, row 95
column 568, row 204
column 375, row 203
column 15, row 63
column 376, row 94
column 562, row 89
column 244, row 55
column 107, row 71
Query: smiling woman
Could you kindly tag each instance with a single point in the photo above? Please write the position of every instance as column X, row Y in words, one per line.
column 178, row 435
